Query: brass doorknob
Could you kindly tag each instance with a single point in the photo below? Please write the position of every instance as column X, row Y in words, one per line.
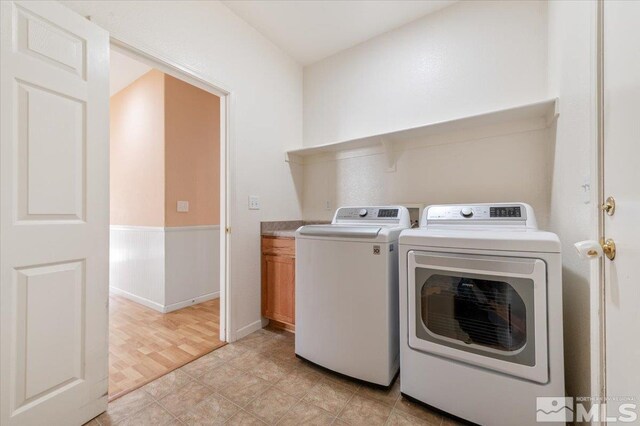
column 592, row 249
column 609, row 248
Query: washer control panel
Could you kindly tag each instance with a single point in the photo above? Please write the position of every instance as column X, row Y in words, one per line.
column 486, row 214
column 367, row 213
column 372, row 214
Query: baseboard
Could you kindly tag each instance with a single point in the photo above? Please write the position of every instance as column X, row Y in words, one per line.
column 175, row 306
column 162, row 308
column 141, row 300
column 282, row 326
column 248, row 329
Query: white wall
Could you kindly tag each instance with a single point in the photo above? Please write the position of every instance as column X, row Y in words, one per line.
column 192, row 265
column 165, row 268
column 572, row 35
column 472, row 57
column 266, row 112
column 137, row 264
column 500, row 166
column 469, row 58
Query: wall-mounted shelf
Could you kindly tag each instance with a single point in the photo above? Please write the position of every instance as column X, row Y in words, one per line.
column 543, row 112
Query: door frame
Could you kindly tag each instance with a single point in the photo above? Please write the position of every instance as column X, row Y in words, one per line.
column 208, row 84
column 598, row 292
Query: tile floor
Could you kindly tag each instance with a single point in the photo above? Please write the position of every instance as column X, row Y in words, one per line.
column 256, row 381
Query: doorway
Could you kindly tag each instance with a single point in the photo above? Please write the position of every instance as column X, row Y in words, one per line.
column 167, row 219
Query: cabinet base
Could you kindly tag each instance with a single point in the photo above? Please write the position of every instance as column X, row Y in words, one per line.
column 282, row 326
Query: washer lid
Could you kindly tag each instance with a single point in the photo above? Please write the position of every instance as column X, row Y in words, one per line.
column 483, row 239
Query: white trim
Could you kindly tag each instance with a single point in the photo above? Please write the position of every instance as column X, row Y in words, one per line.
column 596, row 278
column 136, row 228
column 227, row 154
column 227, row 206
column 164, row 308
column 527, row 117
column 190, row 302
column 191, row 228
column 248, row 329
column 162, row 228
column 141, row 300
column 157, row 60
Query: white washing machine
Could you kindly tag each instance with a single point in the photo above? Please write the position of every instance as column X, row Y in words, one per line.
column 347, row 292
column 481, row 313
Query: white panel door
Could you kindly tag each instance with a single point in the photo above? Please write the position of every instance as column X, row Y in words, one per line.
column 53, row 216
column 622, row 181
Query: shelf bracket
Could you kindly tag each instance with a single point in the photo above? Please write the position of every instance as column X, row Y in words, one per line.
column 293, row 158
column 553, row 112
column 389, row 154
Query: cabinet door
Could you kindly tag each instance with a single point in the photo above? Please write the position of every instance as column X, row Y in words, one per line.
column 278, row 288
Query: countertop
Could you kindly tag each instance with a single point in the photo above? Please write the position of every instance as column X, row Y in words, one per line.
column 285, row 228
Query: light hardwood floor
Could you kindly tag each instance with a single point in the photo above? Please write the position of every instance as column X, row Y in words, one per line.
column 145, row 344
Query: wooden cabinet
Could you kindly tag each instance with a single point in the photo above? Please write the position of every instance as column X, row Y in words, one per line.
column 278, row 280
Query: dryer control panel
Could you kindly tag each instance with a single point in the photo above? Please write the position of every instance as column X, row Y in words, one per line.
column 516, row 214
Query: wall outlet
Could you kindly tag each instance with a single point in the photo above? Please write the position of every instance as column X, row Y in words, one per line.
column 182, row 207
column 254, row 202
column 327, row 205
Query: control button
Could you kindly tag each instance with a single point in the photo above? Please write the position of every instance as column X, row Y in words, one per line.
column 466, row 212
column 363, row 212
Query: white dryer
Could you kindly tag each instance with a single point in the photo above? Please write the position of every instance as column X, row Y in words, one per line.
column 347, row 292
column 481, row 313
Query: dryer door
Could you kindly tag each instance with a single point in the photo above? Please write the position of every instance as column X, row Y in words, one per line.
column 487, row 311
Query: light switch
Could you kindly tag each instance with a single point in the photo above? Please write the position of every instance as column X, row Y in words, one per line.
column 183, row 206
column 254, row 202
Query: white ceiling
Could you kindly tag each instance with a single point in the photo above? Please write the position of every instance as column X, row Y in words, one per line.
column 310, row 30
column 124, row 71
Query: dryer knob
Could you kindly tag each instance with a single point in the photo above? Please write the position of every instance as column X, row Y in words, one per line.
column 363, row 212
column 466, row 212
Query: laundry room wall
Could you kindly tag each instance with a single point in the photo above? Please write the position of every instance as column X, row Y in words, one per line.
column 266, row 115
column 466, row 59
column 502, row 167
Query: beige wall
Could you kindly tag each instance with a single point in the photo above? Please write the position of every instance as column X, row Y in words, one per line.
column 165, row 147
column 192, row 154
column 137, row 153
